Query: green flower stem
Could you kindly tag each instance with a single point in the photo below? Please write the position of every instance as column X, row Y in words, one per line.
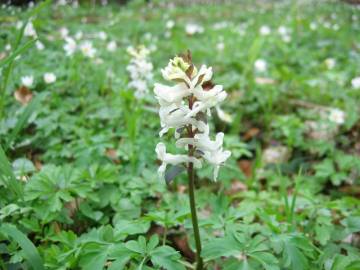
column 194, row 219
column 191, row 174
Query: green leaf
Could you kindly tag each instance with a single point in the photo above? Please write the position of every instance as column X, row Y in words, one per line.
column 223, row 247
column 167, row 258
column 30, row 252
column 7, row 176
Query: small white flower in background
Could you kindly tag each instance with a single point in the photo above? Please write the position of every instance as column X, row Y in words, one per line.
column 104, row 2
column 220, row 25
column 49, row 78
column 276, row 155
column 19, row 24
column 8, row 47
column 330, row 63
column 27, row 81
column 286, row 38
column 102, row 35
column 87, row 49
column 265, row 30
column 167, row 34
column 64, row 32
column 140, row 70
column 193, row 87
column 313, row 26
column 335, row 27
column 220, row 46
column 356, row 83
column 39, row 45
column 327, row 24
column 29, row 30
column 170, row 24
column 193, row 28
column 70, row 46
column 260, row 65
column 78, row 35
column 282, row 30
column 337, row 116
column 61, row 2
column 111, row 46
column 31, row 4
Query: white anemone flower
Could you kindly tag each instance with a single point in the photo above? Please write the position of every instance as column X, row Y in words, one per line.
column 337, row 116
column 102, row 35
column 260, row 65
column 87, row 49
column 39, row 45
column 64, row 32
column 70, row 46
column 170, row 24
column 49, row 77
column 27, row 81
column 193, row 28
column 356, row 83
column 265, row 30
column 111, row 46
column 330, row 63
column 29, row 30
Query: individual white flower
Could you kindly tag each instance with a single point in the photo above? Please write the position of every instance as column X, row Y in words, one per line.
column 335, row 27
column 39, row 45
column 313, row 26
column 282, row 30
column 176, row 69
column 167, row 34
column 193, row 28
column 265, row 30
column 276, row 154
column 337, row 116
column 70, row 46
column 87, row 49
column 61, row 2
column 29, row 30
column 78, row 35
column 220, row 46
column 19, row 24
column 64, row 32
column 356, row 83
column 223, row 116
column 27, row 81
column 330, row 63
column 217, row 159
column 286, row 38
column 170, row 24
column 7, row 47
column 171, row 159
column 260, row 65
column 49, row 77
column 102, row 35
column 111, row 46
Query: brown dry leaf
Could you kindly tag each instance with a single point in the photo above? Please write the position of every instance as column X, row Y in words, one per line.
column 252, row 132
column 181, row 243
column 246, row 167
column 2, row 55
column 23, row 95
column 261, row 80
column 112, row 154
column 38, row 164
column 181, row 189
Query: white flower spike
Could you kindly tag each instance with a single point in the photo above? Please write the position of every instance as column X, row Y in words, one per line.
column 184, row 107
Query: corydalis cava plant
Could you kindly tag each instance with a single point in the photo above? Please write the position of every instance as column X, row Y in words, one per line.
column 140, row 70
column 185, row 107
